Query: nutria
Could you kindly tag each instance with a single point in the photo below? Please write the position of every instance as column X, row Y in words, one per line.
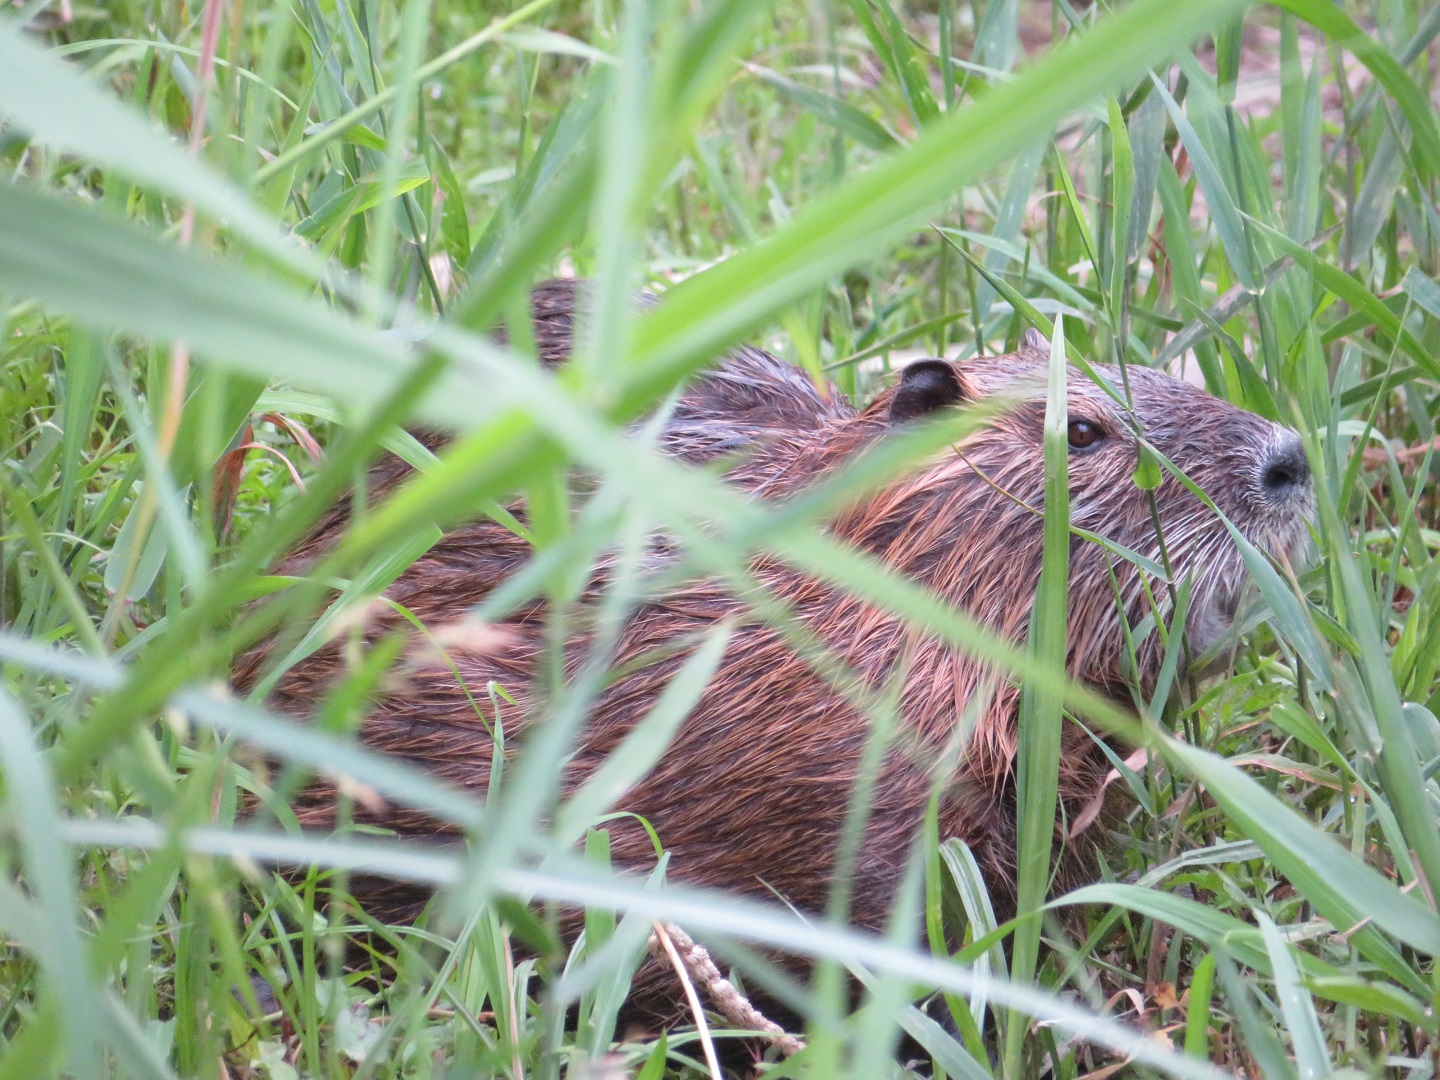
column 740, row 403
column 752, row 791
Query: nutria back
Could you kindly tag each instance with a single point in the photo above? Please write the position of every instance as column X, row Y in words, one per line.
column 741, row 403
column 753, row 790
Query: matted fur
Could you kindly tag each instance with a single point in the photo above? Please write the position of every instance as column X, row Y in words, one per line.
column 752, row 793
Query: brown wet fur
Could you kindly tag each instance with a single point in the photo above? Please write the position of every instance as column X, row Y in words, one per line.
column 752, row 792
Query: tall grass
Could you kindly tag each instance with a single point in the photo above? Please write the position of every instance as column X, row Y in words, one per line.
column 188, row 294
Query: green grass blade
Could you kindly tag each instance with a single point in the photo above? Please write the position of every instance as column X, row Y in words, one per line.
column 33, row 810
column 1218, row 200
column 644, row 744
column 59, row 107
column 1332, row 21
column 1041, row 718
column 835, row 111
column 691, row 908
column 1345, row 890
column 1306, row 1041
column 713, row 308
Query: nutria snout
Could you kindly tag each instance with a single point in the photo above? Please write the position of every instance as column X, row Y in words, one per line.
column 752, row 793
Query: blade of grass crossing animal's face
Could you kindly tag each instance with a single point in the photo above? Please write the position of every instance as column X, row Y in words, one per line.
column 1041, row 716
column 1287, row 610
column 658, row 483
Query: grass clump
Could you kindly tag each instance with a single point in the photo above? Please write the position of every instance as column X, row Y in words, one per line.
column 235, row 234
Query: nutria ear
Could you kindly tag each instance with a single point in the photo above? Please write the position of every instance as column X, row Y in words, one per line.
column 925, row 385
column 1034, row 341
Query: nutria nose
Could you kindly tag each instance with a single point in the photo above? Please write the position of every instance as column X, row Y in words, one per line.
column 1286, row 472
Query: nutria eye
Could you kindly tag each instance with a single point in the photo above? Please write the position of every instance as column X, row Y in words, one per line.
column 1084, row 433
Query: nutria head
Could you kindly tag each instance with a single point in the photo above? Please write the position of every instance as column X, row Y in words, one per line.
column 969, row 522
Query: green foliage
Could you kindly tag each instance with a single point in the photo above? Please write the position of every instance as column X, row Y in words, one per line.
column 198, row 271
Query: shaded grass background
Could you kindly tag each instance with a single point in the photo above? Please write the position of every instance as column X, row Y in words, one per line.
column 841, row 187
